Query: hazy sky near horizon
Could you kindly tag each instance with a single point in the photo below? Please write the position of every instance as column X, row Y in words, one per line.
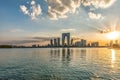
column 27, row 21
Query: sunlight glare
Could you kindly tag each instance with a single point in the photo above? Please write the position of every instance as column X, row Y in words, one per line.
column 113, row 35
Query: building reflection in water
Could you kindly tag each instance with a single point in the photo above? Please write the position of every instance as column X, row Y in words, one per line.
column 65, row 55
column 55, row 54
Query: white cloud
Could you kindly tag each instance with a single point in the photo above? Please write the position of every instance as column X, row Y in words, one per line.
column 60, row 8
column 98, row 3
column 24, row 9
column 34, row 11
column 33, row 2
column 16, row 30
column 95, row 16
column 68, row 30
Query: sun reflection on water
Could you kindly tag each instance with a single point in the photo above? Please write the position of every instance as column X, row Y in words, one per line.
column 113, row 57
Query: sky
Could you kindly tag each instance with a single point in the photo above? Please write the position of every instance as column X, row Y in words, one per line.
column 30, row 21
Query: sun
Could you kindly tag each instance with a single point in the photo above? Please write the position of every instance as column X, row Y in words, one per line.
column 113, row 35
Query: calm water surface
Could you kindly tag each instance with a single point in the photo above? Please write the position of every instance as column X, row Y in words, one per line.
column 60, row 64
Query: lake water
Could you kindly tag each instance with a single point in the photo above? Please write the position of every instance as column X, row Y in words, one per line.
column 59, row 64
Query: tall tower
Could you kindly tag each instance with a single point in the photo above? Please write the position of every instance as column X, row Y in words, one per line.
column 71, row 42
column 55, row 42
column 66, row 35
column 51, row 42
column 58, row 42
column 83, row 42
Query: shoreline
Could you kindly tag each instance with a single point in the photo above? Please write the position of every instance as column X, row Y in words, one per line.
column 56, row 47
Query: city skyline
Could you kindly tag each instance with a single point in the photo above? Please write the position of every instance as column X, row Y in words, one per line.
column 33, row 21
column 65, row 41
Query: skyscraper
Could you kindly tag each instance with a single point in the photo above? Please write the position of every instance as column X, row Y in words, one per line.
column 67, row 35
column 55, row 42
column 83, row 42
column 71, row 42
column 51, row 42
column 58, row 42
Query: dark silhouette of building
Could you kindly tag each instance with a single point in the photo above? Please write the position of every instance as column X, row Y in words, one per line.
column 34, row 46
column 58, row 42
column 88, row 44
column 5, row 46
column 83, row 42
column 95, row 44
column 78, row 43
column 51, row 42
column 55, row 42
column 71, row 42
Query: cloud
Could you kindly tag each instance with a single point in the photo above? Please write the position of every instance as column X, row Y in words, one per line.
column 34, row 11
column 95, row 16
column 42, row 38
column 95, row 5
column 98, row 3
column 24, row 9
column 57, row 9
column 16, row 30
column 28, row 40
column 60, row 8
column 68, row 30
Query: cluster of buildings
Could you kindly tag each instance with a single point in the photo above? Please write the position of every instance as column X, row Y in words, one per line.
column 66, row 41
column 83, row 43
column 114, row 43
column 55, row 42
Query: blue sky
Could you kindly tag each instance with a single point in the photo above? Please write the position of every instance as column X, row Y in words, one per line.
column 23, row 20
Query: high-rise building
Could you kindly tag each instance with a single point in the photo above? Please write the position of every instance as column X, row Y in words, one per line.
column 55, row 42
column 65, row 35
column 71, row 42
column 58, row 42
column 34, row 46
column 83, row 42
column 78, row 44
column 51, row 42
column 95, row 44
